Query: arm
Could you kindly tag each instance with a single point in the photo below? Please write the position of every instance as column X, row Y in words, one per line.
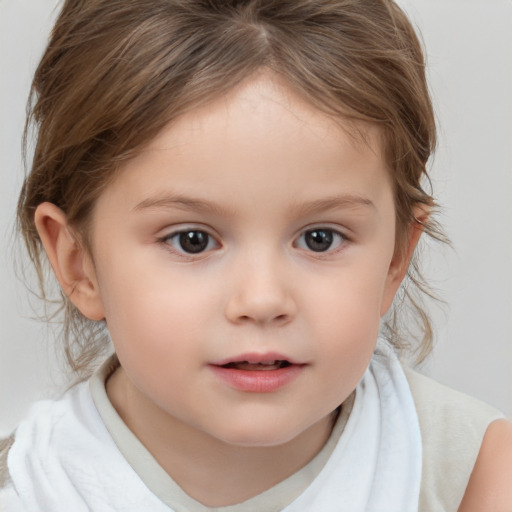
column 489, row 488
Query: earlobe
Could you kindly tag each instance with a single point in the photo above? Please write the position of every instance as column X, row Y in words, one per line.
column 71, row 264
column 400, row 262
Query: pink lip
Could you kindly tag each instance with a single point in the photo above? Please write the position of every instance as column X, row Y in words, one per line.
column 257, row 381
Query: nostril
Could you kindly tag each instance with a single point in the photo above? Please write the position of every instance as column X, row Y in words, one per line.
column 279, row 319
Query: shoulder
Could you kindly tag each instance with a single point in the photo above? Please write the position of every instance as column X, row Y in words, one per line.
column 52, row 433
column 45, row 421
column 5, row 446
column 453, row 426
column 432, row 396
column 449, row 415
column 489, row 486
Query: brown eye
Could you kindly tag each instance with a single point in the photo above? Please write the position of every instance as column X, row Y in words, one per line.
column 192, row 241
column 320, row 240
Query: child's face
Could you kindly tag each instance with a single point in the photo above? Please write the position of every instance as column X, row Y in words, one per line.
column 252, row 229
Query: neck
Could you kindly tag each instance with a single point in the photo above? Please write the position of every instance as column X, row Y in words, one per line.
column 209, row 470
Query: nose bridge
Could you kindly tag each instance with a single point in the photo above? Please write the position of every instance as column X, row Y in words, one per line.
column 260, row 292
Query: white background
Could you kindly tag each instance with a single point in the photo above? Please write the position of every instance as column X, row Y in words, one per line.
column 469, row 46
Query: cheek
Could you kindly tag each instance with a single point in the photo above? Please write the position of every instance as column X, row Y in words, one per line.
column 152, row 308
column 350, row 327
column 347, row 310
column 353, row 296
column 153, row 330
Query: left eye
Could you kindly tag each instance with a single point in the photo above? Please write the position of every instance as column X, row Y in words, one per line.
column 192, row 241
column 320, row 240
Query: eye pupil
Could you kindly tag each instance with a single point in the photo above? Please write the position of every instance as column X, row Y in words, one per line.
column 193, row 241
column 319, row 240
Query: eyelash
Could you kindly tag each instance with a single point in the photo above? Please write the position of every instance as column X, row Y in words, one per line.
column 207, row 242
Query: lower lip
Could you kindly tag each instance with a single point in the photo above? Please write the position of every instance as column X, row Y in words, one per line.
column 258, row 381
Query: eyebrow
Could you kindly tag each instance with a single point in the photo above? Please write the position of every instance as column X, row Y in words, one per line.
column 200, row 205
column 334, row 203
column 182, row 202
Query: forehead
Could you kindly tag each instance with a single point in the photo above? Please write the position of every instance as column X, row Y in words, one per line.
column 260, row 140
column 253, row 107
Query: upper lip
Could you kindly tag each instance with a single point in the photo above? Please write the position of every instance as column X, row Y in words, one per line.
column 256, row 357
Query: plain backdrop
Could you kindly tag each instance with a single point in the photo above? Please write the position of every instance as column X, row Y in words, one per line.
column 469, row 48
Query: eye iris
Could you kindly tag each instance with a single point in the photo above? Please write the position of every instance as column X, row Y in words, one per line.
column 193, row 241
column 318, row 240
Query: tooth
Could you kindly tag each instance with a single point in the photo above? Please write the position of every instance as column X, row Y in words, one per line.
column 268, row 363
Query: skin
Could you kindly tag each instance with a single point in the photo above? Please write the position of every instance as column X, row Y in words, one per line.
column 253, row 171
column 489, row 486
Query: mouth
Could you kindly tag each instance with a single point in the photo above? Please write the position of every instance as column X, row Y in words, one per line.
column 258, row 373
column 274, row 364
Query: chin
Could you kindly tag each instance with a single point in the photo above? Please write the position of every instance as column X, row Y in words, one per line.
column 259, row 436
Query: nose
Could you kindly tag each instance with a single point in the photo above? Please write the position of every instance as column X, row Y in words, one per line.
column 260, row 294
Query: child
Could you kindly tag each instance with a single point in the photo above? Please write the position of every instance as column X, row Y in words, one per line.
column 231, row 191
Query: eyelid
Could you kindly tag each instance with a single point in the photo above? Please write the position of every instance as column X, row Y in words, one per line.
column 336, row 228
column 183, row 227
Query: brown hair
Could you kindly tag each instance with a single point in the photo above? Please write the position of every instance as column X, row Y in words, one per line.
column 116, row 72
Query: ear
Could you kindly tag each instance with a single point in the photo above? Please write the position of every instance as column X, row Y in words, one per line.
column 71, row 263
column 401, row 259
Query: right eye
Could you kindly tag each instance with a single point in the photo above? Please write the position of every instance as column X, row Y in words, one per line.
column 191, row 241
